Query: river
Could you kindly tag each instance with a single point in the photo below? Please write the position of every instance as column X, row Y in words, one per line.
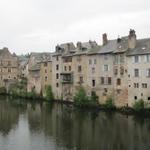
column 28, row 125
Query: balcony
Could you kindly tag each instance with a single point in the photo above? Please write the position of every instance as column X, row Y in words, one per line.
column 66, row 77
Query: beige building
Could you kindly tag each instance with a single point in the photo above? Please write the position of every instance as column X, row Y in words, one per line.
column 117, row 69
column 63, row 71
column 138, row 60
column 9, row 68
column 40, row 72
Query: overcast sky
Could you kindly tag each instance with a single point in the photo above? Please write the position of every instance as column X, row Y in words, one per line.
column 38, row 25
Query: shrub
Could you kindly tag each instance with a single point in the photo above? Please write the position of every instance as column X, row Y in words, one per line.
column 139, row 105
column 93, row 100
column 80, row 98
column 109, row 103
column 49, row 93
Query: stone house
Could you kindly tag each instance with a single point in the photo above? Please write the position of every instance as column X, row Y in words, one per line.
column 40, row 72
column 138, row 62
column 9, row 68
column 63, row 71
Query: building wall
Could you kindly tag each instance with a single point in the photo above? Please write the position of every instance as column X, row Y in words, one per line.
column 46, row 75
column 9, row 67
column 96, row 72
column 137, row 92
column 56, row 82
column 80, row 72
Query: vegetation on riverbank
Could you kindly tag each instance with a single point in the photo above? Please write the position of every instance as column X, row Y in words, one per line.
column 81, row 99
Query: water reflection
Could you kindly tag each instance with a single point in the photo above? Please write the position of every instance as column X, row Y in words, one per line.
column 59, row 127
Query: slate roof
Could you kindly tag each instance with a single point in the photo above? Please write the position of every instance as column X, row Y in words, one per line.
column 86, row 47
column 40, row 57
column 142, row 47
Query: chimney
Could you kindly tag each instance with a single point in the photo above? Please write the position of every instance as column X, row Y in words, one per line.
column 131, row 39
column 79, row 45
column 57, row 48
column 105, row 40
column 68, row 47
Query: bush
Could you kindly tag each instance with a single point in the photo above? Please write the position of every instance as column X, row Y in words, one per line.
column 109, row 103
column 80, row 98
column 49, row 93
column 139, row 105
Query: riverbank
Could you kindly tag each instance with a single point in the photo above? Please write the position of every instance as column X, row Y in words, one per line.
column 96, row 108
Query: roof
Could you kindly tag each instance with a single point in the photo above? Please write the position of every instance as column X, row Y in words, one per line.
column 86, row 47
column 35, row 67
column 142, row 47
column 40, row 57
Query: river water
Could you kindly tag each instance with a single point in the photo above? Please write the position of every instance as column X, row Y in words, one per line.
column 43, row 126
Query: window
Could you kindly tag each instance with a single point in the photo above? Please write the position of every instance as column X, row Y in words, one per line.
column 102, row 80
column 90, row 61
column 45, row 78
column 79, row 68
column 45, row 64
column 93, row 83
column 148, row 98
column 9, row 70
column 94, row 61
column 147, row 72
column 65, row 68
column 136, row 72
column 93, row 70
column 136, row 59
column 57, row 58
column 57, row 84
column 115, row 71
column 136, row 85
column 81, row 79
column 57, row 67
column 121, row 70
column 69, row 68
column 144, row 85
column 57, row 76
column 118, row 81
column 45, row 71
column 106, row 67
column 135, row 97
column 109, row 80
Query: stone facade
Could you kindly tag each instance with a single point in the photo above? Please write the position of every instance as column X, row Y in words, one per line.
column 9, row 68
column 104, row 69
column 40, row 72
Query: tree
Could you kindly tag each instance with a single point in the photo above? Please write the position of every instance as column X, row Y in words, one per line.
column 80, row 98
column 139, row 105
column 49, row 93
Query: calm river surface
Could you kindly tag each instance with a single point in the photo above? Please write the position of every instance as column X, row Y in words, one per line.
column 41, row 126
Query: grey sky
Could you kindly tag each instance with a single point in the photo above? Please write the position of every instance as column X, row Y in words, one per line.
column 38, row 25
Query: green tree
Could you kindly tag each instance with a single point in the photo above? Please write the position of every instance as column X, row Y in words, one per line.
column 49, row 93
column 109, row 103
column 139, row 105
column 80, row 98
